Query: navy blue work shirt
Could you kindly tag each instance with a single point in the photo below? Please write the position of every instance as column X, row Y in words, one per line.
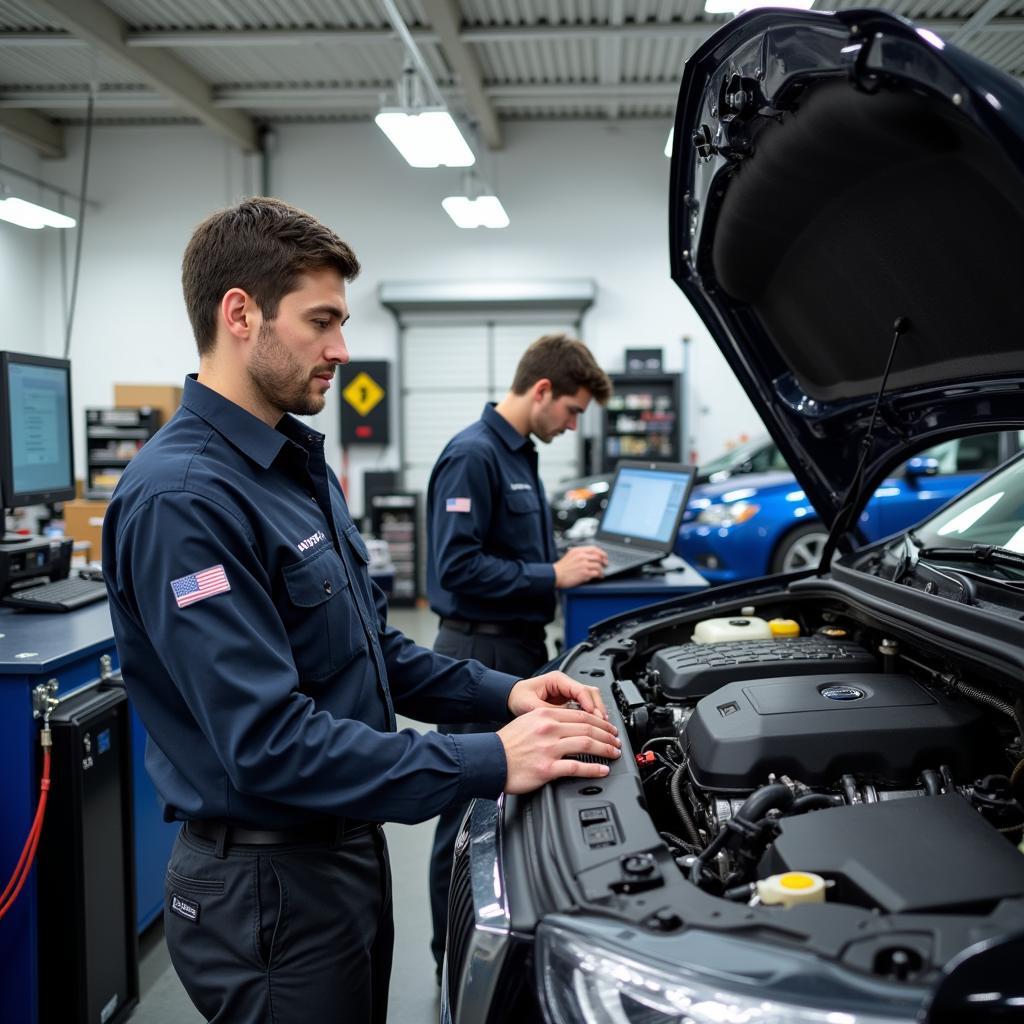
column 491, row 547
column 255, row 646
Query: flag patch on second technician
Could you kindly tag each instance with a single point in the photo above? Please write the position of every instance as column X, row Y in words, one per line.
column 198, row 586
column 458, row 505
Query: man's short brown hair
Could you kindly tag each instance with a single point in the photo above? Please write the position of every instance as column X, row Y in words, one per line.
column 262, row 246
column 567, row 363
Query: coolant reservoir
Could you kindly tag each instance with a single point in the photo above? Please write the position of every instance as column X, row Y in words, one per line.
column 784, row 627
column 734, row 627
column 792, row 888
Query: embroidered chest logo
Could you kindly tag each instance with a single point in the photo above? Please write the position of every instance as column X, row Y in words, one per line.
column 316, row 538
column 520, row 487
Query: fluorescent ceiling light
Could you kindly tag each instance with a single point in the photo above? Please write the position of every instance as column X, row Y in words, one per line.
column 668, row 144
column 429, row 138
column 29, row 215
column 482, row 212
column 737, row 6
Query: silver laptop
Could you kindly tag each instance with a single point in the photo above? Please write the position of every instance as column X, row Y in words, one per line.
column 645, row 507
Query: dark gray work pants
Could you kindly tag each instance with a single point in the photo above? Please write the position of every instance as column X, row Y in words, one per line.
column 283, row 934
column 507, row 654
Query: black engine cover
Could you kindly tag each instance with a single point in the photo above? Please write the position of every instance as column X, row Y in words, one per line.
column 882, row 728
column 925, row 854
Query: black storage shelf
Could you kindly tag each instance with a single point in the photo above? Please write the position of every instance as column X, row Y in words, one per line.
column 112, row 439
column 396, row 518
column 641, row 419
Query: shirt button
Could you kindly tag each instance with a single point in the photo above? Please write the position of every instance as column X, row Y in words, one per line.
column 327, row 587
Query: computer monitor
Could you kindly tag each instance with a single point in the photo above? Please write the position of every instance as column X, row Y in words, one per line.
column 36, row 448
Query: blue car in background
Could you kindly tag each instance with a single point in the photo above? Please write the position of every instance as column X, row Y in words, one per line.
column 755, row 523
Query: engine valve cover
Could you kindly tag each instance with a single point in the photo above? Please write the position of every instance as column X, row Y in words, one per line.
column 882, row 728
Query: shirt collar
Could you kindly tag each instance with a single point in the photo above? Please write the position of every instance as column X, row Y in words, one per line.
column 249, row 434
column 501, row 426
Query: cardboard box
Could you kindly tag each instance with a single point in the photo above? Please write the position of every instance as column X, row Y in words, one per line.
column 83, row 520
column 165, row 397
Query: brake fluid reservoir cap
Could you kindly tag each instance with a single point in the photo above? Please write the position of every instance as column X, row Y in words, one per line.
column 792, row 888
column 784, row 627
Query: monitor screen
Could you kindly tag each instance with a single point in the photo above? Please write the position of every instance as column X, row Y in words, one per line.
column 645, row 503
column 36, row 449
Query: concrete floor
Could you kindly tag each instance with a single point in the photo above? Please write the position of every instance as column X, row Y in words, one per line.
column 414, row 990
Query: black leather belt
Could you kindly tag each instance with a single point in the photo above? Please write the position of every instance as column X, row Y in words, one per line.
column 518, row 630
column 223, row 834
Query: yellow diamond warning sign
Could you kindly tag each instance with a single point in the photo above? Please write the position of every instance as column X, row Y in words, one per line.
column 363, row 393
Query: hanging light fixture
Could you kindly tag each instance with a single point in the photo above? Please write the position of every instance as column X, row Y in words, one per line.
column 738, row 6
column 420, row 126
column 32, row 216
column 478, row 208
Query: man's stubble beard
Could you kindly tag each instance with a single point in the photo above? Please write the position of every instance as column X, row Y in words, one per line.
column 280, row 380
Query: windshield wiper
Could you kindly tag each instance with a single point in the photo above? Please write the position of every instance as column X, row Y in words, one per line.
column 984, row 554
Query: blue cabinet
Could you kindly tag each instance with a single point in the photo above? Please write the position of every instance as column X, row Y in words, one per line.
column 35, row 648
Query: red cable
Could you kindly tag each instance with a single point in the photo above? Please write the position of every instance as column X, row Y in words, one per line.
column 28, row 852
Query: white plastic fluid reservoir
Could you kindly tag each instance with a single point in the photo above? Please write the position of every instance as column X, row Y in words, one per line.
column 733, row 627
column 792, row 888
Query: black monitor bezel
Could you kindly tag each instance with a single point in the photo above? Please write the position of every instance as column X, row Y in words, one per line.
column 19, row 499
column 610, row 537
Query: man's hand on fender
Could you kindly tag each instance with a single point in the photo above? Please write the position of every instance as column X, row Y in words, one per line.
column 537, row 743
column 554, row 689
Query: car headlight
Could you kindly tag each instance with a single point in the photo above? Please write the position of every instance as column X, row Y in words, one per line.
column 582, row 980
column 728, row 515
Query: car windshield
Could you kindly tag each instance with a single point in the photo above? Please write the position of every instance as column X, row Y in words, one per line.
column 761, row 453
column 990, row 514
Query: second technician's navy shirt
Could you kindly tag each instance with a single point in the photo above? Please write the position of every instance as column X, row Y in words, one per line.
column 255, row 646
column 491, row 547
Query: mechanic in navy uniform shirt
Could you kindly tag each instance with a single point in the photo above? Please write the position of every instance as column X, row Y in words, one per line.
column 257, row 652
column 491, row 566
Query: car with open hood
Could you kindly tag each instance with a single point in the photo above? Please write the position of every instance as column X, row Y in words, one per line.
column 817, row 816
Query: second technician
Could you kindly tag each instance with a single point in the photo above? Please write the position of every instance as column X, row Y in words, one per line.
column 491, row 567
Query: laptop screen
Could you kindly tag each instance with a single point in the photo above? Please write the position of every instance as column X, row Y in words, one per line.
column 645, row 503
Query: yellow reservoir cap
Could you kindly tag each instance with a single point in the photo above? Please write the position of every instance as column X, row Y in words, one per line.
column 796, row 880
column 784, row 627
column 791, row 888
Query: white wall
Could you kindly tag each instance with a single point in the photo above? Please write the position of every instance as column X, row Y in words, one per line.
column 585, row 200
column 21, row 257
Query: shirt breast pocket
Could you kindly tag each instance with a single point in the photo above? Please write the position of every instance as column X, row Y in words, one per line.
column 521, row 502
column 323, row 626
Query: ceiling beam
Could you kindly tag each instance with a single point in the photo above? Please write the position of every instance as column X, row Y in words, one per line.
column 253, row 37
column 338, row 96
column 104, row 30
column 978, row 21
column 45, row 138
column 446, row 19
column 609, row 57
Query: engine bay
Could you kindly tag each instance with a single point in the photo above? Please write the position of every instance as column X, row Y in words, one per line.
column 796, row 758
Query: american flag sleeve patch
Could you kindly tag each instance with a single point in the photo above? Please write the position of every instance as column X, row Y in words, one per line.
column 458, row 505
column 198, row 586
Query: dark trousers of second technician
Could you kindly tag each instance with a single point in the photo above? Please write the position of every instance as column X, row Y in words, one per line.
column 281, row 927
column 516, row 648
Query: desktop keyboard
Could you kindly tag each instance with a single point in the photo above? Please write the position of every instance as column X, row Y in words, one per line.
column 62, row 596
column 692, row 671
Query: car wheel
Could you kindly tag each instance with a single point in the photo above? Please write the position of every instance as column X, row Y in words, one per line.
column 800, row 548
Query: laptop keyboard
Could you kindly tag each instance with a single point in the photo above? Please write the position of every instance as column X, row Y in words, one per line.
column 620, row 559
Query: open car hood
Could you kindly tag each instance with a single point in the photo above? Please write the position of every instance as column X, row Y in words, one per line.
column 831, row 173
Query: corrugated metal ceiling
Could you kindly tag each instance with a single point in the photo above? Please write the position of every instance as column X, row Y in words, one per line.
column 324, row 59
